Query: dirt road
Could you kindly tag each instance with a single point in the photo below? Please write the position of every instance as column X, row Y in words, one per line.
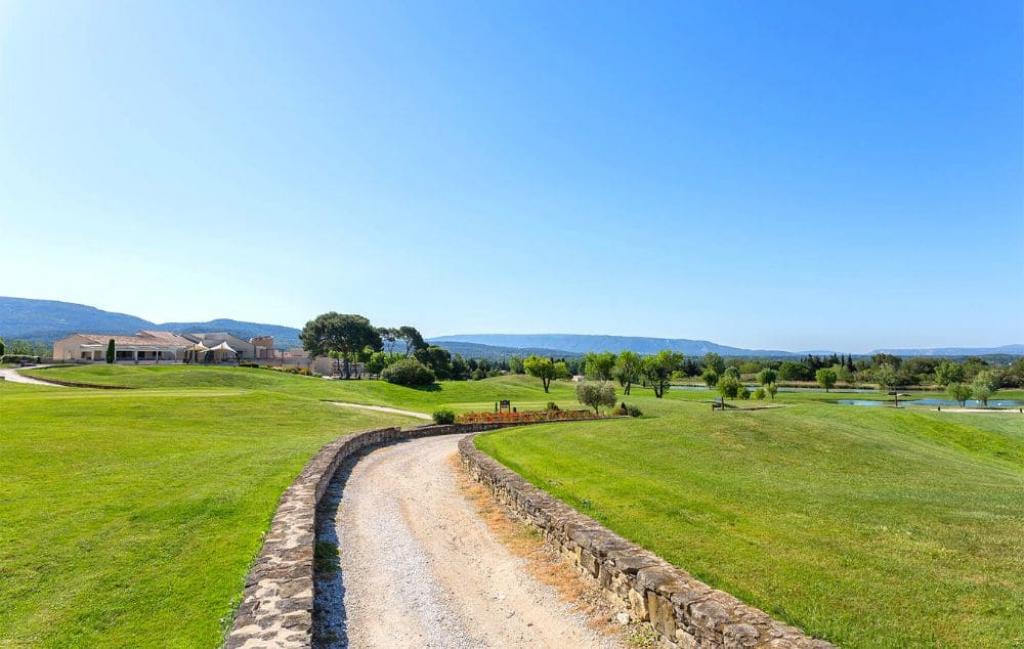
column 11, row 374
column 420, row 569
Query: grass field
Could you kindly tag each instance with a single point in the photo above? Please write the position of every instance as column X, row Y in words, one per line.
column 134, row 513
column 129, row 518
column 871, row 527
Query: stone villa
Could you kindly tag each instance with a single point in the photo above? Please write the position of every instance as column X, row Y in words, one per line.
column 163, row 346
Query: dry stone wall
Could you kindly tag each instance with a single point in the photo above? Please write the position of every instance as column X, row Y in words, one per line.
column 277, row 609
column 684, row 612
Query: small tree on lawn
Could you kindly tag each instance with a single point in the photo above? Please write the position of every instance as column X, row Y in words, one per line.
column 959, row 392
column 658, row 370
column 710, row 377
column 826, row 378
column 111, row 353
column 888, row 379
column 545, row 369
column 984, row 385
column 767, row 377
column 596, row 395
column 628, row 367
column 772, row 389
column 729, row 387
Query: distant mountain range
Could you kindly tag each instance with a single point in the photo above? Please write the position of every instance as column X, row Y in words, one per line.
column 44, row 321
column 576, row 344
column 582, row 344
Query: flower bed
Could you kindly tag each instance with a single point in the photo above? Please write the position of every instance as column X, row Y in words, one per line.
column 526, row 417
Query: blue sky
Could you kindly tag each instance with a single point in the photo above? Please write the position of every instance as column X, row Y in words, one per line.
column 844, row 175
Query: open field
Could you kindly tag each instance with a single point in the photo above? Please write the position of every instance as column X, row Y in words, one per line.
column 868, row 526
column 130, row 517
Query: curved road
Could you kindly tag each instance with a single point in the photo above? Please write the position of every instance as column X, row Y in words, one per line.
column 11, row 374
column 419, row 568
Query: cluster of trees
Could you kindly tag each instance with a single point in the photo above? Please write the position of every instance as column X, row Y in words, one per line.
column 396, row 354
column 24, row 348
column 982, row 386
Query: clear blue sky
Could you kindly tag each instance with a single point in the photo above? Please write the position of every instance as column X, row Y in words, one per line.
column 794, row 175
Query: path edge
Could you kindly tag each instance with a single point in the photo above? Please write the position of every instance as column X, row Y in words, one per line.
column 277, row 605
column 684, row 612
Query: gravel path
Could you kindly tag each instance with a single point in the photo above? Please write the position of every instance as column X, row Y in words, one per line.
column 11, row 374
column 394, row 411
column 420, row 569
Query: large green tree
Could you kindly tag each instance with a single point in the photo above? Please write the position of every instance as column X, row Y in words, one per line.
column 346, row 334
column 628, row 368
column 438, row 359
column 888, row 379
column 959, row 392
column 949, row 372
column 658, row 369
column 715, row 362
column 729, row 387
column 984, row 385
column 826, row 378
column 599, row 366
column 412, row 338
column 546, row 369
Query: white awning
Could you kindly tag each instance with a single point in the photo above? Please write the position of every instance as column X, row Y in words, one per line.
column 223, row 347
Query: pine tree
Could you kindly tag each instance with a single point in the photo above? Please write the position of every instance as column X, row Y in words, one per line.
column 110, row 351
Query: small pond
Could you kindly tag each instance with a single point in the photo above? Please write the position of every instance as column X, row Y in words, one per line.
column 934, row 403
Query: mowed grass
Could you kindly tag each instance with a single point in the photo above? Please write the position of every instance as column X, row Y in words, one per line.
column 130, row 518
column 525, row 392
column 870, row 527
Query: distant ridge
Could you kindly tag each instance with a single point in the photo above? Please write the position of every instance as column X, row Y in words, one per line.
column 582, row 344
column 44, row 321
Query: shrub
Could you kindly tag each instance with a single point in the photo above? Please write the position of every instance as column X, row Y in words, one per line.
column 760, row 394
column 633, row 411
column 409, row 372
column 552, row 407
column 444, row 416
column 595, row 395
column 744, row 393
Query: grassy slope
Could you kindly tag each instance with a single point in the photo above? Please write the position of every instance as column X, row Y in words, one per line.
column 871, row 527
column 130, row 517
column 461, row 395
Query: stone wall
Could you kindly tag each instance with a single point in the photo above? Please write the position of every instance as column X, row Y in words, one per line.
column 277, row 609
column 684, row 612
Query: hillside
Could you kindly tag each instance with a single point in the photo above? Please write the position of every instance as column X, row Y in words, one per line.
column 581, row 344
column 495, row 353
column 45, row 321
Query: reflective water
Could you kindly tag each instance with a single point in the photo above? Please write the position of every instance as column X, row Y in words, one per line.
column 934, row 403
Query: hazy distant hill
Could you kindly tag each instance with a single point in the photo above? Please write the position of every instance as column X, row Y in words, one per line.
column 47, row 320
column 1007, row 350
column 494, row 353
column 581, row 344
column 44, row 321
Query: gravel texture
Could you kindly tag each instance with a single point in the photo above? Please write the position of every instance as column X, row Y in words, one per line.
column 418, row 568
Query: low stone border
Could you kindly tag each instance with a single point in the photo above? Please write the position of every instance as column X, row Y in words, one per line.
column 684, row 612
column 277, row 609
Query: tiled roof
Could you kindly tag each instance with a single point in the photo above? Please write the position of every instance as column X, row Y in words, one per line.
column 164, row 338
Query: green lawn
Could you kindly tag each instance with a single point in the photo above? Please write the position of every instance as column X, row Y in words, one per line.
column 130, row 516
column 871, row 527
